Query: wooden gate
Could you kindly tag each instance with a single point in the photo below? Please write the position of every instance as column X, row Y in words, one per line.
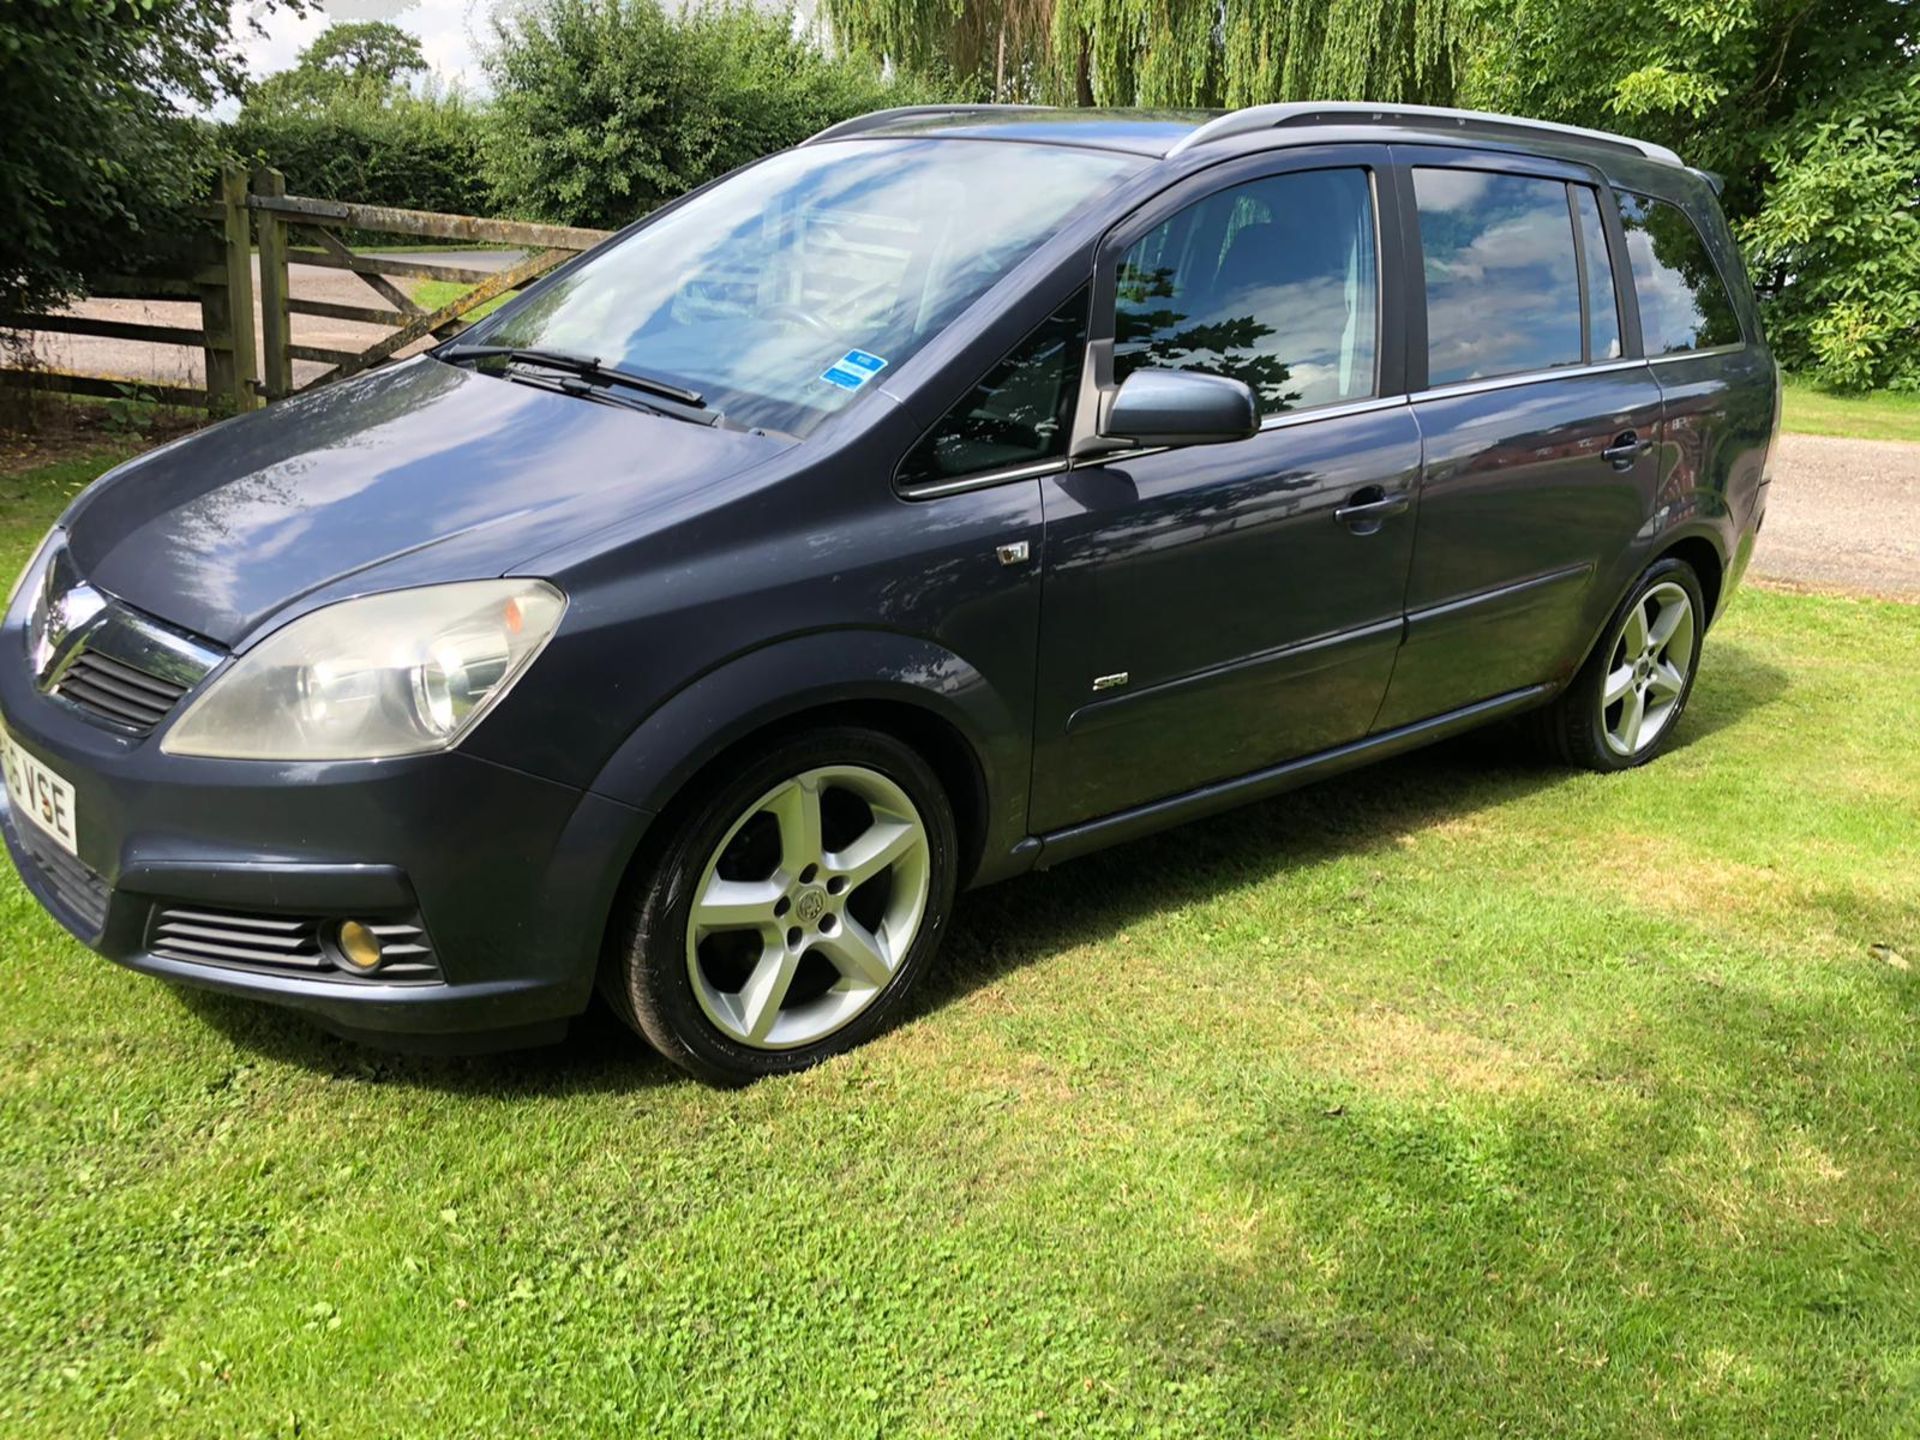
column 242, row 369
column 219, row 276
column 278, row 214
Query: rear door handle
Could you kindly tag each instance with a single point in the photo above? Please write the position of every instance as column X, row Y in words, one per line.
column 1366, row 508
column 1626, row 448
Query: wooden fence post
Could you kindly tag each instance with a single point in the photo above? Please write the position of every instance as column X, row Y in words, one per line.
column 226, row 302
column 275, row 326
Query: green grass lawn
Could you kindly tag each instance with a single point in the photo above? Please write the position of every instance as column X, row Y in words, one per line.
column 432, row 294
column 1464, row 1096
column 1879, row 416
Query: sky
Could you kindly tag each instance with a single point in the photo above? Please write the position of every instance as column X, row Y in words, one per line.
column 451, row 32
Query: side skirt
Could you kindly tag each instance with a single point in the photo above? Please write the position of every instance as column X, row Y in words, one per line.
column 1091, row 835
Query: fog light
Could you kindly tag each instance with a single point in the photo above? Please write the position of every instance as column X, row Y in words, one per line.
column 359, row 947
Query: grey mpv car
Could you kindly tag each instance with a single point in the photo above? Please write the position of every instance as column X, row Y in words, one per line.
column 958, row 492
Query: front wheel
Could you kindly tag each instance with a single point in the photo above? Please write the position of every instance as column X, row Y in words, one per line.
column 792, row 911
column 1625, row 705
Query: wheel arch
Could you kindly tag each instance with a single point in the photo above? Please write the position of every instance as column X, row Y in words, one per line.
column 974, row 738
column 1709, row 566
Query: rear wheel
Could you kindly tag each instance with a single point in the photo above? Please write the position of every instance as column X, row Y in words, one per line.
column 1623, row 708
column 791, row 913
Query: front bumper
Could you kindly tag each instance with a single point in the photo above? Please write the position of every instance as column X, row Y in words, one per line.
column 508, row 878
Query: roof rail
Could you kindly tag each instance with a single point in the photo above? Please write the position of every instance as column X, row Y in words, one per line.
column 859, row 124
column 1347, row 112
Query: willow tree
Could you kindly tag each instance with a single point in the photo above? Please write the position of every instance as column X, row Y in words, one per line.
column 971, row 49
column 1169, row 52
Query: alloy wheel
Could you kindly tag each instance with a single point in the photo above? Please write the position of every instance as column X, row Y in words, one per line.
column 808, row 906
column 1651, row 657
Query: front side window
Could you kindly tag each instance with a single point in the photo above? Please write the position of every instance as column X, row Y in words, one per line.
column 1020, row 414
column 783, row 291
column 1684, row 303
column 1275, row 282
column 1503, row 285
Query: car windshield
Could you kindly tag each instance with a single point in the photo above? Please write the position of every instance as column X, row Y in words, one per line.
column 780, row 293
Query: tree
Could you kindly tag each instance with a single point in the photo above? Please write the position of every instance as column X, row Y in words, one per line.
column 97, row 160
column 1810, row 111
column 970, row 49
column 603, row 109
column 1168, row 52
column 367, row 59
column 345, row 123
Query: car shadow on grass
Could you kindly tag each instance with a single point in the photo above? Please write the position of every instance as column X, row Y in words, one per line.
column 1092, row 899
column 1008, row 926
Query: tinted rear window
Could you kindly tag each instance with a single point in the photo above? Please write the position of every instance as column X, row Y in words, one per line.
column 1503, row 281
column 1684, row 303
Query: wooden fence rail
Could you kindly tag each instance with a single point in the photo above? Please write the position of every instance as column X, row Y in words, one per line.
column 240, row 373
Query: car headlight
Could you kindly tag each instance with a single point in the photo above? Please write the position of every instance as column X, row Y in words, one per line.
column 403, row 673
column 36, row 569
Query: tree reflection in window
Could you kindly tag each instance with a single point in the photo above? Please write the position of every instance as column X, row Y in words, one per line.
column 1274, row 283
column 1684, row 303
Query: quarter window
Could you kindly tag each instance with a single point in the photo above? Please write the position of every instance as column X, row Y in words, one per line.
column 1275, row 282
column 1684, row 303
column 1503, row 283
column 1019, row 414
column 1603, row 306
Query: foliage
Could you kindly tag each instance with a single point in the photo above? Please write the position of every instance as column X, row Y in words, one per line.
column 1810, row 116
column 974, row 50
column 1167, row 52
column 370, row 58
column 1459, row 1097
column 418, row 152
column 97, row 161
column 342, row 124
column 603, row 109
column 1838, row 237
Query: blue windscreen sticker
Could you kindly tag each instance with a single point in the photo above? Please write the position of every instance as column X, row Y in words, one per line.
column 853, row 369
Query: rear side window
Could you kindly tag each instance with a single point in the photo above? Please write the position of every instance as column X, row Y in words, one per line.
column 1684, row 303
column 1020, row 414
column 1502, row 274
column 1274, row 282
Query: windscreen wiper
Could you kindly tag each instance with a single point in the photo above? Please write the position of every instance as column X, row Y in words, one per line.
column 587, row 367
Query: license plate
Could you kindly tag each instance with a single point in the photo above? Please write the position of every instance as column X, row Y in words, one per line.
column 39, row 796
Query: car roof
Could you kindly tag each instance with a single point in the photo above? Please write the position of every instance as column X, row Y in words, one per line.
column 1163, row 134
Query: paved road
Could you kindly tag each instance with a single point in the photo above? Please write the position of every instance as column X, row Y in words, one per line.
column 172, row 365
column 1843, row 514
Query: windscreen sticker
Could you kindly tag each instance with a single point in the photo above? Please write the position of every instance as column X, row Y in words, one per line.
column 853, row 369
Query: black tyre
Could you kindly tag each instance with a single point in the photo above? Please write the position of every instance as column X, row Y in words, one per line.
column 1624, row 706
column 792, row 909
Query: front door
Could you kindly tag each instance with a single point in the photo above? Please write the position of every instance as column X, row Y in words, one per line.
column 1210, row 611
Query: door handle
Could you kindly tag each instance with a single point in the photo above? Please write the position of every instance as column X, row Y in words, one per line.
column 1626, row 448
column 1367, row 508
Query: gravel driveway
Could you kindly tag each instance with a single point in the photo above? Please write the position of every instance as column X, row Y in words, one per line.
column 1843, row 514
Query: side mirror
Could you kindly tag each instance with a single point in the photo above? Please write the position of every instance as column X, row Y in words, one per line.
column 1180, row 407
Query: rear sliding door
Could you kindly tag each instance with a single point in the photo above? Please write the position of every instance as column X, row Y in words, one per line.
column 1537, row 427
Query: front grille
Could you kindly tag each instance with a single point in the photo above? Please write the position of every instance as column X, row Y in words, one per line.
column 292, row 944
column 117, row 692
column 76, row 889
